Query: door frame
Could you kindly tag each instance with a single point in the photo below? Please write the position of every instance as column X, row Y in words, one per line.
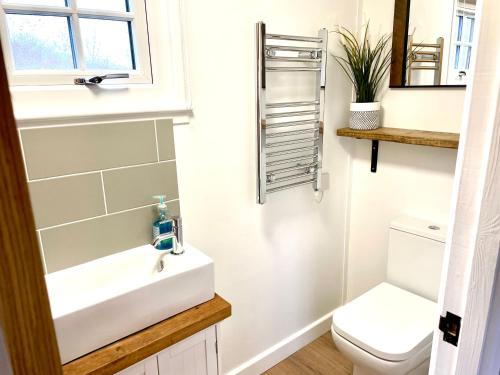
column 27, row 332
column 472, row 246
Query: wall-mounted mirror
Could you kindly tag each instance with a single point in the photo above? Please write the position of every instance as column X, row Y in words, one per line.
column 432, row 42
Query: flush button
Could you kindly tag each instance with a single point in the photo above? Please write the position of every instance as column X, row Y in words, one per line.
column 433, row 227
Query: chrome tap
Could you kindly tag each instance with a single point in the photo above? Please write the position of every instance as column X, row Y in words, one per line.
column 175, row 235
column 179, row 238
column 164, row 236
column 177, row 229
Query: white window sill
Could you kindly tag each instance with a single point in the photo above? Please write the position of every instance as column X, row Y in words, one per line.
column 179, row 116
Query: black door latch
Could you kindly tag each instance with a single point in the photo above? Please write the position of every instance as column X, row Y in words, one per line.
column 450, row 325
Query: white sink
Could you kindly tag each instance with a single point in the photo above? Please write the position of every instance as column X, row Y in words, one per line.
column 99, row 302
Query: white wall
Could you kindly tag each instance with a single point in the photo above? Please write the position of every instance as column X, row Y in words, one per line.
column 413, row 180
column 280, row 264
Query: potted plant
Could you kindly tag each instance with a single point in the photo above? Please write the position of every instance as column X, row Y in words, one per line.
column 365, row 66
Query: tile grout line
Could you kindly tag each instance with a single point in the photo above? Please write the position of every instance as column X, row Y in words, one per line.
column 157, row 146
column 101, row 216
column 101, row 170
column 23, row 155
column 42, row 252
column 104, row 193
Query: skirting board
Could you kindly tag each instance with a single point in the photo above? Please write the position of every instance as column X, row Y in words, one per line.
column 283, row 349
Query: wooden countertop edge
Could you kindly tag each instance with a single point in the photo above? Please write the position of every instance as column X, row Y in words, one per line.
column 141, row 345
column 408, row 136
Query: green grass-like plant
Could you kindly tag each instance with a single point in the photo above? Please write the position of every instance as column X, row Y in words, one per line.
column 364, row 65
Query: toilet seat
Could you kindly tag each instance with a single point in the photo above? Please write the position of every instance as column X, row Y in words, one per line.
column 388, row 322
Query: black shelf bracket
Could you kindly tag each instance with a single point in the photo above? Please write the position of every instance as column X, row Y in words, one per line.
column 374, row 155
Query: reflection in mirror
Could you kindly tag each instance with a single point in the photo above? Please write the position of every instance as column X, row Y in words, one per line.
column 464, row 19
column 438, row 42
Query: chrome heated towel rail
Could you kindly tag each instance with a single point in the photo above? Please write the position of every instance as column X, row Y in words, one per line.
column 289, row 133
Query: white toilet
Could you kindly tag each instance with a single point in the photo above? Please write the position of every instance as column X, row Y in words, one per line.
column 388, row 330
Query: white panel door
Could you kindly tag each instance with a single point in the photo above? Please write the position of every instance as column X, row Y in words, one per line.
column 147, row 367
column 195, row 355
column 472, row 250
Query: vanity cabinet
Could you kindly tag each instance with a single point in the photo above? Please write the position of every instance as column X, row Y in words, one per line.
column 196, row 355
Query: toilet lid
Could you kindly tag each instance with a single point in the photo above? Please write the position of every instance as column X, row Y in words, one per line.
column 388, row 322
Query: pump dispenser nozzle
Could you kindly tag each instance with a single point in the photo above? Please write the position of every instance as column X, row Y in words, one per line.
column 162, row 206
column 161, row 198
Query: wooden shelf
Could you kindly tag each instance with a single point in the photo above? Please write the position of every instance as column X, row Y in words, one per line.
column 408, row 136
column 138, row 346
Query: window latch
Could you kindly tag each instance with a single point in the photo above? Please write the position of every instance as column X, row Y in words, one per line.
column 98, row 79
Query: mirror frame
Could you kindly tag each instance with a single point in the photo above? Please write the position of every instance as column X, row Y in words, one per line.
column 399, row 49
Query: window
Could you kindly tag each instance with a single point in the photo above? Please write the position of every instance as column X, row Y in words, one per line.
column 40, row 99
column 55, row 41
column 461, row 43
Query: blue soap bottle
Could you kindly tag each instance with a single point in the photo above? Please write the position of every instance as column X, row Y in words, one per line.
column 163, row 224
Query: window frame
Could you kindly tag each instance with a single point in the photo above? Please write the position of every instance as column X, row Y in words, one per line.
column 168, row 96
column 140, row 40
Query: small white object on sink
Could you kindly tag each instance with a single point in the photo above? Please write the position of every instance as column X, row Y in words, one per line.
column 99, row 302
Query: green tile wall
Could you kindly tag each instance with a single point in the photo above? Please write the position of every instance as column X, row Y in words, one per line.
column 91, row 186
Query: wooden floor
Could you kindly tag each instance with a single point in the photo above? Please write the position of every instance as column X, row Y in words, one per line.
column 320, row 357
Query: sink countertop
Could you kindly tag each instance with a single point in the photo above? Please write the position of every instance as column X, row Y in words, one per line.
column 141, row 345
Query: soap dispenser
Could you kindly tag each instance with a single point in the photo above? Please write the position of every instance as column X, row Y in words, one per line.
column 163, row 225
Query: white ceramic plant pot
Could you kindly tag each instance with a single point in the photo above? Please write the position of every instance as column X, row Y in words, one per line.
column 365, row 116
